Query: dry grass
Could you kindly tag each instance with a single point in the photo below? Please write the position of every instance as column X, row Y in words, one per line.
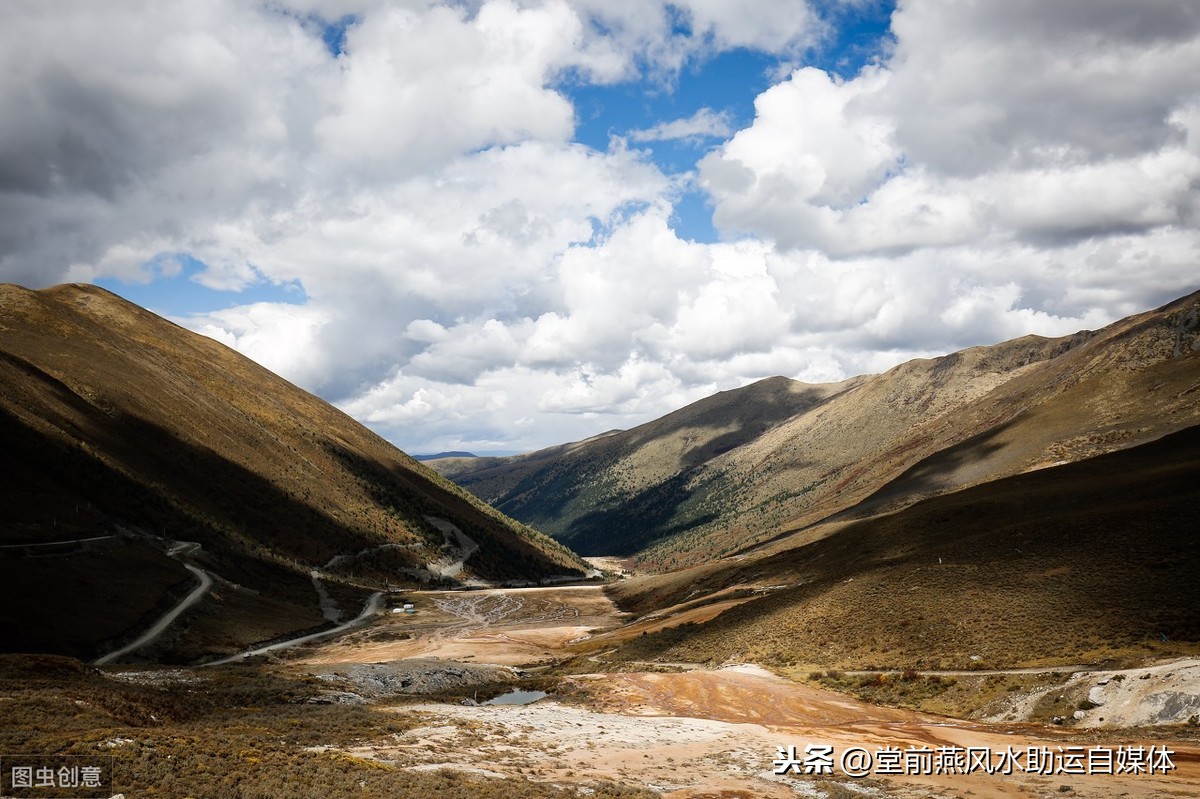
column 1095, row 562
column 733, row 470
column 114, row 418
column 237, row 733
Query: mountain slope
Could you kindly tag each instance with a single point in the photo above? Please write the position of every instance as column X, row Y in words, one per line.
column 117, row 422
column 925, row 427
column 1086, row 562
column 620, row 490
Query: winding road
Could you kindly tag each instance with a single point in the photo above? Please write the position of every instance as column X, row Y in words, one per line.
column 163, row 623
column 374, row 603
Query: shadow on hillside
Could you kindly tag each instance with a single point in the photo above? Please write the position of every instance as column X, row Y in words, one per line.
column 147, row 471
column 935, row 474
column 569, row 497
column 760, row 406
column 502, row 554
column 153, row 482
column 647, row 517
column 1099, row 553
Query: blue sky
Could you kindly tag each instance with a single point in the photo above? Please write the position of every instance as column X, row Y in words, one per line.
column 725, row 82
column 494, row 226
column 178, row 293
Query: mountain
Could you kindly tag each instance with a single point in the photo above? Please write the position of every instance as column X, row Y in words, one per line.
column 741, row 468
column 126, row 437
column 1088, row 562
column 439, row 455
column 613, row 492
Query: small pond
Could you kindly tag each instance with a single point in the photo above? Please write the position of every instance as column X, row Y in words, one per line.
column 517, row 698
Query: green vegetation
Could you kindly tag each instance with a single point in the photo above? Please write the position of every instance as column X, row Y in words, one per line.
column 658, row 484
column 898, row 689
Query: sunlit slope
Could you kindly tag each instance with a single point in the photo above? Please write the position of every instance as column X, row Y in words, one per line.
column 1081, row 563
column 117, row 421
column 621, row 491
column 742, row 467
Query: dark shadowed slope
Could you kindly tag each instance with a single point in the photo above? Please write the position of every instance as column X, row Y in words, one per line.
column 117, row 422
column 621, row 491
column 1091, row 562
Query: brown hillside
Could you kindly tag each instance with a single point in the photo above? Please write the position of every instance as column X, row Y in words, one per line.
column 117, row 421
column 801, row 454
column 618, row 491
column 1090, row 562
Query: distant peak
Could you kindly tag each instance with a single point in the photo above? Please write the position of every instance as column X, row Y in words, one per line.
column 436, row 456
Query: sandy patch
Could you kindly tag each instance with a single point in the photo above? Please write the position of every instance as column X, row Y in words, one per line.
column 681, row 757
column 508, row 627
column 699, row 733
column 696, row 734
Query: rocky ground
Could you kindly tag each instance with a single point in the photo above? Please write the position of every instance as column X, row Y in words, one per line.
column 1164, row 693
column 701, row 733
column 354, row 683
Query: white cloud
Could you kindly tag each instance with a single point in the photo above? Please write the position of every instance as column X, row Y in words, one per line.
column 980, row 86
column 474, row 279
column 814, row 150
column 282, row 337
column 1049, row 123
column 704, row 124
column 773, row 26
column 619, row 35
column 420, row 88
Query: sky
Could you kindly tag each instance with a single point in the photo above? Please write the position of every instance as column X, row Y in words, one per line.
column 496, row 226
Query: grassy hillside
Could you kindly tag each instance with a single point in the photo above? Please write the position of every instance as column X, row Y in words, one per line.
column 1086, row 562
column 622, row 491
column 733, row 471
column 116, row 421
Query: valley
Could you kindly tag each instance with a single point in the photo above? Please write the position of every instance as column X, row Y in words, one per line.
column 680, row 733
column 232, row 589
column 747, row 466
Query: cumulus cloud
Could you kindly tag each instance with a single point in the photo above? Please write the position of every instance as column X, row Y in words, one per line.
column 619, row 36
column 420, row 88
column 1037, row 124
column 474, row 278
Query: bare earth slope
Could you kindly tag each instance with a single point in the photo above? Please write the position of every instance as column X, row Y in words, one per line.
column 118, row 423
column 735, row 470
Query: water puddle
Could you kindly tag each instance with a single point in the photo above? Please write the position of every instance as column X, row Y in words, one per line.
column 517, row 698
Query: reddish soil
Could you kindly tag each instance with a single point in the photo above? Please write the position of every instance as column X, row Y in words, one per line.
column 697, row 734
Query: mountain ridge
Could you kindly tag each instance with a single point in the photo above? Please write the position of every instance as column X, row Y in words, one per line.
column 121, row 423
column 924, row 427
column 1086, row 562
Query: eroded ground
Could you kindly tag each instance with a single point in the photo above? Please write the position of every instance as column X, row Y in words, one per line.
column 689, row 734
column 499, row 626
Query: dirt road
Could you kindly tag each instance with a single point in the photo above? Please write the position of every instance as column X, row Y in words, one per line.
column 372, row 606
column 703, row 733
column 165, row 621
column 500, row 626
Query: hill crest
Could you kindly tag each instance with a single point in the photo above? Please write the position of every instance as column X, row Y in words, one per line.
column 744, row 466
column 118, row 422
